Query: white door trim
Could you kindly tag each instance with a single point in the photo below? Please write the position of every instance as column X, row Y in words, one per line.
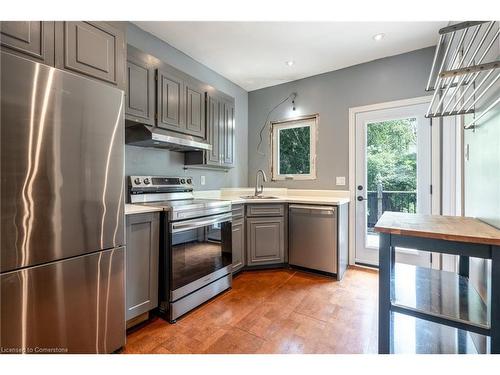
column 353, row 111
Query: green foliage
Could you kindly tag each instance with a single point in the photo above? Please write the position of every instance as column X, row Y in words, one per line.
column 391, row 155
column 294, row 149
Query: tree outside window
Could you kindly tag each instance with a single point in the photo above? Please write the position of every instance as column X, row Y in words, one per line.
column 391, row 156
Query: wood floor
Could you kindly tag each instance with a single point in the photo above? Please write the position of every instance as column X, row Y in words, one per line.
column 274, row 311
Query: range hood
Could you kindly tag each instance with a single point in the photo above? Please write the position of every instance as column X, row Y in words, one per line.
column 149, row 136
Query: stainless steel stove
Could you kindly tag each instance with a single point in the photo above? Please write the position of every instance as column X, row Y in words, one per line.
column 195, row 242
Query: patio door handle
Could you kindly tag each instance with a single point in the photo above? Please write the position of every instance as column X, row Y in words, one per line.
column 360, row 198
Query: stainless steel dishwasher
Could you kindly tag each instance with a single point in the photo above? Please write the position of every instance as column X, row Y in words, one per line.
column 313, row 238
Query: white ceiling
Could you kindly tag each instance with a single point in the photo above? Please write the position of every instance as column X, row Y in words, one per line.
column 254, row 54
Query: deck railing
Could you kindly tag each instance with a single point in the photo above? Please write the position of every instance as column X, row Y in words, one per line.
column 398, row 201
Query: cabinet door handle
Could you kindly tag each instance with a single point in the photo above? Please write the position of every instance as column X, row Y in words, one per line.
column 318, row 208
column 197, row 223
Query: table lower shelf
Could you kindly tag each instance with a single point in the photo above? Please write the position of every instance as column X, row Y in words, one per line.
column 439, row 296
column 410, row 335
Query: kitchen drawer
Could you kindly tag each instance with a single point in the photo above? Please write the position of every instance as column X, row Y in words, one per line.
column 265, row 210
column 238, row 211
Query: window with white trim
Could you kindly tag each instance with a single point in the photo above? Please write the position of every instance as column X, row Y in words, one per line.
column 294, row 149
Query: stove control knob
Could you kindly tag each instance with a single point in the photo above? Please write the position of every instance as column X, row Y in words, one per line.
column 146, row 181
column 137, row 181
column 183, row 181
column 189, row 181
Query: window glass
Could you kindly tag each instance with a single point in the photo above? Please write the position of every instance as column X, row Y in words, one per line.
column 294, row 149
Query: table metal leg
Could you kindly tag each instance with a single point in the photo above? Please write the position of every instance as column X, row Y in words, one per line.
column 463, row 266
column 384, row 293
column 495, row 300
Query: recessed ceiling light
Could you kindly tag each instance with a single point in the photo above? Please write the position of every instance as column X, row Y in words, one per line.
column 378, row 37
column 290, row 62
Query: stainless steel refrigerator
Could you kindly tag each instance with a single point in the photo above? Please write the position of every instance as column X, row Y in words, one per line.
column 62, row 206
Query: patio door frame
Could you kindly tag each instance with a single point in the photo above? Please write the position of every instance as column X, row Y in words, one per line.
column 435, row 166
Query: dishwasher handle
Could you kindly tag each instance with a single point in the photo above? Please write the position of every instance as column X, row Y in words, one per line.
column 329, row 210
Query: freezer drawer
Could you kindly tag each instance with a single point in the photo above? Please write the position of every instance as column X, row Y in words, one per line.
column 313, row 237
column 71, row 306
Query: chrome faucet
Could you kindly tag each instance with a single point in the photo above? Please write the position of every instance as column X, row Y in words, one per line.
column 259, row 190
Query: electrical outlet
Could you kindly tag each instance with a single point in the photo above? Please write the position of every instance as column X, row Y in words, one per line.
column 340, row 181
column 202, row 180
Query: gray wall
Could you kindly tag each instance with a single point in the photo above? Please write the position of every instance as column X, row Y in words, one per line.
column 331, row 95
column 140, row 160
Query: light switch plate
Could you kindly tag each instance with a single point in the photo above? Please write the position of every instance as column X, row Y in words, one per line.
column 202, row 180
column 340, row 180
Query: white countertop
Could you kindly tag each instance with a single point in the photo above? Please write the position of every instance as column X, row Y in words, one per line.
column 283, row 195
column 303, row 196
column 131, row 209
column 289, row 199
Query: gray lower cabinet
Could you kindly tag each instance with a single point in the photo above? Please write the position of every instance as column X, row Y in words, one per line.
column 142, row 259
column 140, row 87
column 238, row 244
column 30, row 39
column 93, row 49
column 265, row 240
column 238, row 234
column 266, row 209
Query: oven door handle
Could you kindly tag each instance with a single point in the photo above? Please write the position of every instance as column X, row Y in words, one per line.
column 198, row 223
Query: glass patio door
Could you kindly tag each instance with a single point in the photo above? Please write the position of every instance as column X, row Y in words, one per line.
column 393, row 173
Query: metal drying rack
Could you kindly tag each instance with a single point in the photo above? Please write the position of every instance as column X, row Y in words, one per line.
column 459, row 76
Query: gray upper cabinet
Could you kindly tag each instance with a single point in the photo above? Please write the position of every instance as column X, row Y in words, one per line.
column 180, row 102
column 93, row 49
column 30, row 39
column 170, row 100
column 219, row 133
column 142, row 262
column 265, row 240
column 213, row 157
column 228, row 133
column 140, row 87
column 195, row 107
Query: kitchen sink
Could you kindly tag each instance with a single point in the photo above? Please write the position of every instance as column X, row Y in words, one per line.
column 258, row 197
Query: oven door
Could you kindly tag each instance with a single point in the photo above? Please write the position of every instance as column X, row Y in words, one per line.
column 201, row 252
